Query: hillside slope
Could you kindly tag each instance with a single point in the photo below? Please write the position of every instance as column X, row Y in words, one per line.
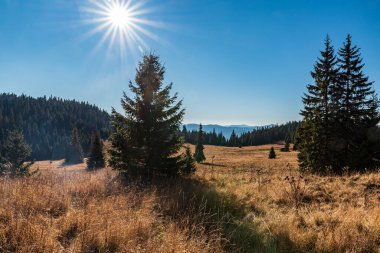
column 47, row 123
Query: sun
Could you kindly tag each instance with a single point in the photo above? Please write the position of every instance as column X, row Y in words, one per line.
column 119, row 16
column 124, row 24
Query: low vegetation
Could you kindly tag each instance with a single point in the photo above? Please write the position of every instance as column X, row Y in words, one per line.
column 68, row 209
column 292, row 211
column 242, row 202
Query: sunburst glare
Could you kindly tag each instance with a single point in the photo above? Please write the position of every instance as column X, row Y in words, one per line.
column 122, row 23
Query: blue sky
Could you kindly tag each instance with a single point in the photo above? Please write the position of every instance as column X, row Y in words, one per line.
column 233, row 62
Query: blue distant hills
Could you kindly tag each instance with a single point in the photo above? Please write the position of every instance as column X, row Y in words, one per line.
column 226, row 130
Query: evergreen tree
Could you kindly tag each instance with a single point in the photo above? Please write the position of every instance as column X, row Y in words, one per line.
column 199, row 155
column 96, row 157
column 74, row 152
column 314, row 135
column 286, row 147
column 272, row 153
column 146, row 140
column 189, row 166
column 14, row 155
column 233, row 141
column 357, row 114
column 184, row 133
column 341, row 115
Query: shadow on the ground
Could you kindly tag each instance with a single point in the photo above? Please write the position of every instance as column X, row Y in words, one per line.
column 214, row 165
column 201, row 205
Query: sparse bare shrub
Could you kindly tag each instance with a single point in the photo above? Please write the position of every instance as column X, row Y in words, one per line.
column 296, row 191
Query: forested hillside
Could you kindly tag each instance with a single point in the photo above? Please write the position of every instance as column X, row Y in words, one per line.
column 268, row 135
column 47, row 123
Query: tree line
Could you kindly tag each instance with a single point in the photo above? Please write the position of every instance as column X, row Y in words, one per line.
column 339, row 131
column 259, row 136
column 47, row 123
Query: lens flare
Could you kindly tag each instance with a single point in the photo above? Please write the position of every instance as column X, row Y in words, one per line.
column 122, row 23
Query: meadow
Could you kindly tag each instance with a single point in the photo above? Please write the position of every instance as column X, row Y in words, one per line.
column 238, row 201
column 68, row 209
column 297, row 212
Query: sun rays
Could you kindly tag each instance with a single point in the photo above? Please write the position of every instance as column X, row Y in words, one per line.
column 121, row 24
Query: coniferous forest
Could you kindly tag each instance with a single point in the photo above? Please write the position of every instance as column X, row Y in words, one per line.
column 47, row 123
column 259, row 136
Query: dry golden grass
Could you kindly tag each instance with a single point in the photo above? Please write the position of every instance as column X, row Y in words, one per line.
column 67, row 209
column 320, row 214
column 242, row 202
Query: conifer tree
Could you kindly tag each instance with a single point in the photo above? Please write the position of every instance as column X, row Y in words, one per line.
column 286, row 147
column 272, row 153
column 96, row 157
column 357, row 115
column 314, row 134
column 14, row 155
column 340, row 117
column 233, row 141
column 74, row 152
column 199, row 155
column 221, row 140
column 146, row 140
column 189, row 166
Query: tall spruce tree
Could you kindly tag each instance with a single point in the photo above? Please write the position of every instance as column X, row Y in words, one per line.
column 146, row 140
column 357, row 115
column 339, row 128
column 14, row 155
column 314, row 134
column 96, row 157
column 74, row 152
column 199, row 154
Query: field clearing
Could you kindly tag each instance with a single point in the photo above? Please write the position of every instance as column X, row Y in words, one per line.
column 68, row 209
column 254, row 205
column 305, row 213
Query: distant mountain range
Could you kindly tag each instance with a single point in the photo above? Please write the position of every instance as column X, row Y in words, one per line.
column 226, row 130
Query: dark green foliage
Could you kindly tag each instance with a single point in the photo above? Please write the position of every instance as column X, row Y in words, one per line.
column 270, row 134
column 233, row 141
column 316, row 129
column 260, row 136
column 74, row 152
column 146, row 140
column 211, row 138
column 357, row 112
column 199, row 155
column 286, row 147
column 340, row 114
column 47, row 123
column 96, row 157
column 189, row 166
column 272, row 153
column 14, row 154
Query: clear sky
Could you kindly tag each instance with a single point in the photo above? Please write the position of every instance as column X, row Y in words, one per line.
column 232, row 61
